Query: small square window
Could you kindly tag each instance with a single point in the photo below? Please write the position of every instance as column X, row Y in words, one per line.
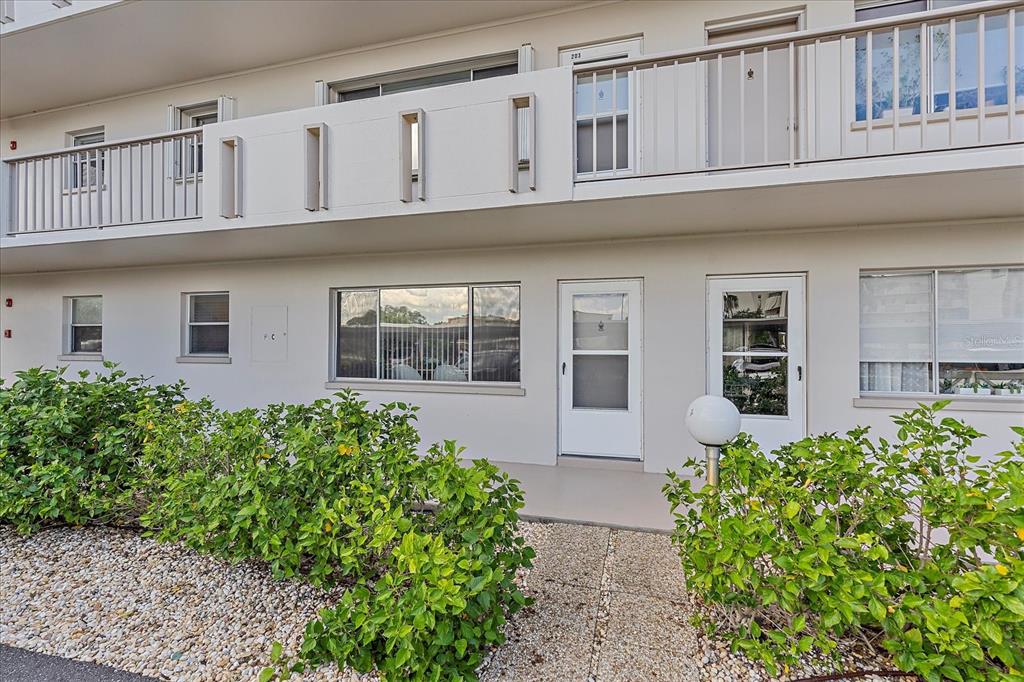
column 84, row 316
column 206, row 324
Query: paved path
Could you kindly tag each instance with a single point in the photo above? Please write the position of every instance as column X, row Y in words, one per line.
column 18, row 665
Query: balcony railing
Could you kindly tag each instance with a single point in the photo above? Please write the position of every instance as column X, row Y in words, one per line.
column 807, row 96
column 885, row 87
column 140, row 180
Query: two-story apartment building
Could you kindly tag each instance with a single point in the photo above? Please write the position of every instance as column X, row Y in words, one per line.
column 551, row 224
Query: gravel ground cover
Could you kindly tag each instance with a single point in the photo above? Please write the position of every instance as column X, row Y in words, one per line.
column 610, row 606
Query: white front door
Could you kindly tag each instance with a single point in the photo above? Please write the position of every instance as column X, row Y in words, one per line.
column 756, row 354
column 600, row 368
column 606, row 111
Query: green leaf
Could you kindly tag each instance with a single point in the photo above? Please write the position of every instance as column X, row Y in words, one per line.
column 876, row 609
column 792, row 509
column 991, row 631
column 266, row 675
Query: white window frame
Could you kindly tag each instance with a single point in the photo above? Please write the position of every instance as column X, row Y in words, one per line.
column 469, row 382
column 187, row 324
column 78, row 167
column 936, row 386
column 191, row 117
column 67, row 342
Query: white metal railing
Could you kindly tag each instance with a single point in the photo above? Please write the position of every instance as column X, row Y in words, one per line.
column 137, row 180
column 895, row 85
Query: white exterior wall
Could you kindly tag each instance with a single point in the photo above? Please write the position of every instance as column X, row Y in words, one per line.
column 664, row 26
column 142, row 318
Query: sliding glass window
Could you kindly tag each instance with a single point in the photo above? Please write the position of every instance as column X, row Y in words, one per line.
column 442, row 333
column 943, row 331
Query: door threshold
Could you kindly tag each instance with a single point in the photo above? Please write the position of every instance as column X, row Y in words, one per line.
column 599, row 462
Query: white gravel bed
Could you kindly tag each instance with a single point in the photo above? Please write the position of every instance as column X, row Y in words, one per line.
column 162, row 610
column 610, row 606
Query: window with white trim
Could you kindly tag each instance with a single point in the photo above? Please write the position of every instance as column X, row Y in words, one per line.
column 84, row 315
column 82, row 167
column 935, row 81
column 948, row 331
column 196, row 116
column 466, row 333
column 206, row 324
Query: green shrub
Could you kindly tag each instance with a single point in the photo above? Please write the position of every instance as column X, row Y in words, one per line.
column 337, row 494
column 914, row 545
column 69, row 450
column 424, row 547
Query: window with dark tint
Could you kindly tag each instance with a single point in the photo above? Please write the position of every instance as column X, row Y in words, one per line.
column 86, row 332
column 208, row 324
column 357, row 334
column 496, row 333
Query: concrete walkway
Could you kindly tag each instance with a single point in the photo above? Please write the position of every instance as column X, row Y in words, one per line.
column 604, row 493
column 19, row 665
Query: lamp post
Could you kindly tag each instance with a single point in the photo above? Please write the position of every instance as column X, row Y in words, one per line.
column 713, row 421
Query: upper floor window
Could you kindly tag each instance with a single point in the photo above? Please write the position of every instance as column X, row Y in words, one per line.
column 932, row 82
column 84, row 316
column 196, row 117
column 443, row 333
column 943, row 331
column 84, row 168
column 478, row 68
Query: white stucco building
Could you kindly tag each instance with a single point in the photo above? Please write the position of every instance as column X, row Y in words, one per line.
column 551, row 224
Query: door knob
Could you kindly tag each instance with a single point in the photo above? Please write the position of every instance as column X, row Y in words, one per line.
column 563, row 369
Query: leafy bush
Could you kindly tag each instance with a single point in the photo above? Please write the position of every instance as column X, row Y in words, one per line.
column 914, row 545
column 69, row 450
column 425, row 548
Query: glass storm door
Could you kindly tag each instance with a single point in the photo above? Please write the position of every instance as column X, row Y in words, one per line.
column 756, row 353
column 600, row 368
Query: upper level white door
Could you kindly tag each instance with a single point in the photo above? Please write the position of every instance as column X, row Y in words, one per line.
column 756, row 353
column 606, row 109
column 765, row 82
column 600, row 368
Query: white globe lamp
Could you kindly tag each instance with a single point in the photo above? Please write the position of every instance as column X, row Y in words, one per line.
column 713, row 421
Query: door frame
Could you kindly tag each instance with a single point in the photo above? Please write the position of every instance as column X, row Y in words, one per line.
column 560, row 349
column 805, row 382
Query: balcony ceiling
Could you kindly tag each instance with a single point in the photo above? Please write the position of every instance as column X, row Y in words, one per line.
column 143, row 44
